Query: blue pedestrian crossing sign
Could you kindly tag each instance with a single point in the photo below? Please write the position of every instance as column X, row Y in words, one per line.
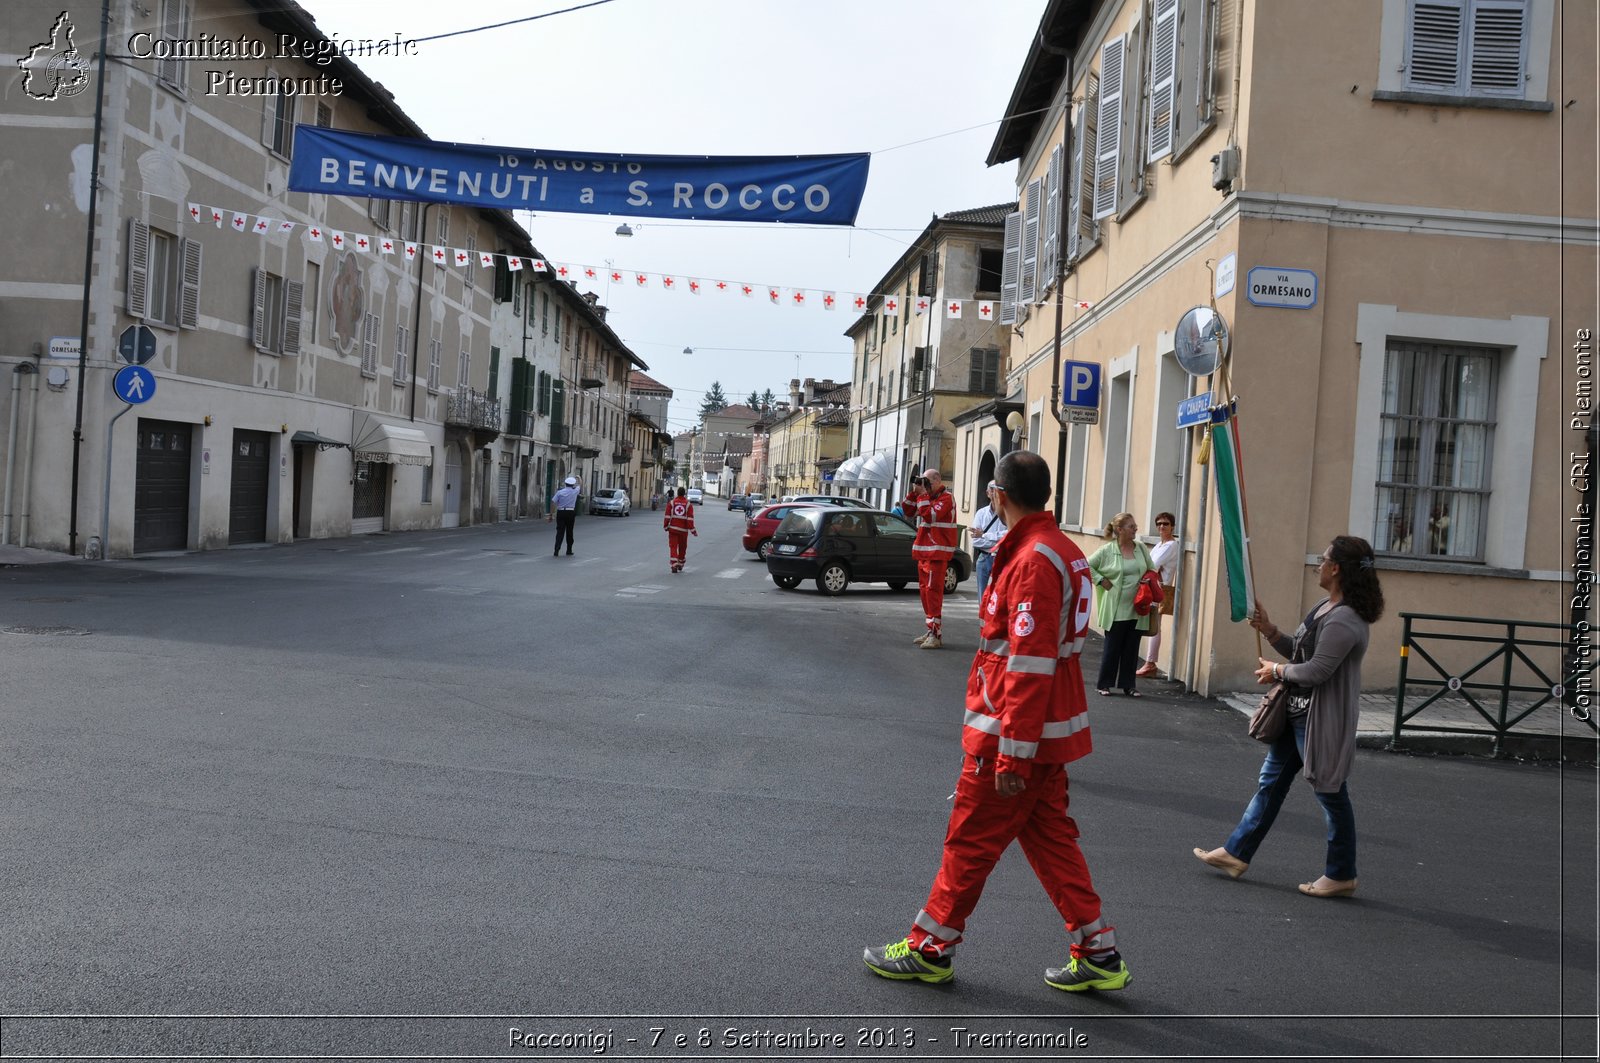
column 134, row 384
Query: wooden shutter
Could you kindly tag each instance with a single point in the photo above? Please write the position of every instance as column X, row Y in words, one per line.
column 1191, row 92
column 369, row 346
column 138, row 282
column 1163, row 80
column 1108, row 127
column 1010, row 268
column 1049, row 260
column 402, row 337
column 174, row 27
column 258, row 309
column 472, row 259
column 189, row 252
column 1028, row 286
column 435, row 353
column 494, row 372
column 1496, row 61
column 1433, row 53
column 293, row 300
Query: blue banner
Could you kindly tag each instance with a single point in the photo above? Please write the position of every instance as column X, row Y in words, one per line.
column 808, row 189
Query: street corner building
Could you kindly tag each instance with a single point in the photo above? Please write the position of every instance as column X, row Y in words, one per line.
column 323, row 365
column 1391, row 205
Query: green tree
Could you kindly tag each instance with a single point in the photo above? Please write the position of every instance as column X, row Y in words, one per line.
column 754, row 401
column 715, row 401
column 767, row 399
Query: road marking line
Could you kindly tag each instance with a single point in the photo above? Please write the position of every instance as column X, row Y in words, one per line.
column 731, row 573
column 643, row 588
column 396, row 550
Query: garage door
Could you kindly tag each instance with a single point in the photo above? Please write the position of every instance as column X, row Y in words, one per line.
column 505, row 492
column 161, row 487
column 247, row 503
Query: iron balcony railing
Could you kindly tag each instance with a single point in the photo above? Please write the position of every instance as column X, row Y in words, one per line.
column 470, row 408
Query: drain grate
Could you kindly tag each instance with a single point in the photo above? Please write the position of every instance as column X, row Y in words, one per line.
column 44, row 629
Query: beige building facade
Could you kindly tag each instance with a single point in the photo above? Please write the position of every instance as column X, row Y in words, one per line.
column 1398, row 226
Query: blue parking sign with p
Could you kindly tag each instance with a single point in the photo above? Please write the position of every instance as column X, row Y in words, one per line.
column 1080, row 384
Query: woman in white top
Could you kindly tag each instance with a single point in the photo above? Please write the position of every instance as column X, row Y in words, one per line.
column 1165, row 558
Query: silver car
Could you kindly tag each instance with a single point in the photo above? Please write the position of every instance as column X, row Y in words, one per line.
column 612, row 500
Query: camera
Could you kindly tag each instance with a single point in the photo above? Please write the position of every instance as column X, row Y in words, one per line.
column 921, row 481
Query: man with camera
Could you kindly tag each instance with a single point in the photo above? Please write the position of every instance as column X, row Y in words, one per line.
column 933, row 511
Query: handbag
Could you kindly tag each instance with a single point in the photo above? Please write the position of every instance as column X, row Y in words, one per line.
column 1147, row 596
column 1272, row 715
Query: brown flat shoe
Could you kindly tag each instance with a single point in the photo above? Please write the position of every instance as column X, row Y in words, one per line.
column 1222, row 860
column 1335, row 889
column 1148, row 670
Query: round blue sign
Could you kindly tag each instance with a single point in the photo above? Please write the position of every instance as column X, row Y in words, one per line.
column 134, row 384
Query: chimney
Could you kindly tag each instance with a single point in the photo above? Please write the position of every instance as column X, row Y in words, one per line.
column 794, row 391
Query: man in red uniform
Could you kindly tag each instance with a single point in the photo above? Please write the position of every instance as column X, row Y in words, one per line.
column 679, row 523
column 933, row 510
column 1026, row 718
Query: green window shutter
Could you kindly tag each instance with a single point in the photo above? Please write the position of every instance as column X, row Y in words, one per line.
column 494, row 371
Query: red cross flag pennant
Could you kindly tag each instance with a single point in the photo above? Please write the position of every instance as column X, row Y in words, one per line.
column 336, row 238
column 386, row 246
column 261, row 226
column 440, row 255
column 314, row 234
column 694, row 286
column 667, row 283
column 828, row 299
column 772, row 294
column 285, row 227
column 486, row 259
column 798, row 297
column 1084, row 306
column 952, row 309
column 513, row 263
column 216, row 217
column 986, row 309
column 747, row 289
column 462, row 258
column 561, row 271
column 411, row 251
column 891, row 306
column 722, row 286
column 363, row 244
column 590, row 273
column 616, row 276
column 195, row 210
column 641, row 279
column 922, row 304
column 860, row 302
column 539, row 266
column 240, row 221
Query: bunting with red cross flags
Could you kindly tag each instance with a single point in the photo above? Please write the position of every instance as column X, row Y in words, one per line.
column 952, row 309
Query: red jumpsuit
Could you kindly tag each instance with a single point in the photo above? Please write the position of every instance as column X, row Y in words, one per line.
column 1025, row 714
column 937, row 534
column 679, row 522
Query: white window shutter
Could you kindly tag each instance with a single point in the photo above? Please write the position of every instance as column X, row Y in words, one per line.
column 269, row 114
column 1010, row 268
column 1089, row 118
column 1028, row 285
column 1163, row 79
column 1108, row 147
column 1074, row 180
column 258, row 309
column 1049, row 261
column 138, row 283
column 1437, row 41
column 189, row 295
column 1498, row 45
column 293, row 301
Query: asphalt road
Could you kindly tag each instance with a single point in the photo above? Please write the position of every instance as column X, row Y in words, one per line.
column 447, row 775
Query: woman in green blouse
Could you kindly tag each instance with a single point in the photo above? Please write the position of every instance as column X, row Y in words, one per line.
column 1117, row 567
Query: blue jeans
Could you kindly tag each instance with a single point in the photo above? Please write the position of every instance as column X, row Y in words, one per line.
column 982, row 566
column 1283, row 763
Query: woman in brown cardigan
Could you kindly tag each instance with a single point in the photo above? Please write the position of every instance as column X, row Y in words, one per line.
column 1324, row 673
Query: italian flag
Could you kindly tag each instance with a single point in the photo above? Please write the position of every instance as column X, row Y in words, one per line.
column 1227, row 457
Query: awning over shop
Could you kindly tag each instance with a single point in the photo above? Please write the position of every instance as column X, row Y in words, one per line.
column 309, row 439
column 845, row 475
column 877, row 470
column 393, row 443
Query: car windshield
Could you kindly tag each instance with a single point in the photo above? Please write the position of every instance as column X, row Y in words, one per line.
column 608, row 492
column 800, row 521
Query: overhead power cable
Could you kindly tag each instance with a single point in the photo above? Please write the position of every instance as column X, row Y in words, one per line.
column 512, row 22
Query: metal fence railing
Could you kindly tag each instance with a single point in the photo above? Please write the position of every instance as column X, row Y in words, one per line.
column 1502, row 674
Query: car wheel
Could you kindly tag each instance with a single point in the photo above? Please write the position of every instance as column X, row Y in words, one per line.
column 951, row 578
column 897, row 584
column 764, row 549
column 833, row 578
column 788, row 583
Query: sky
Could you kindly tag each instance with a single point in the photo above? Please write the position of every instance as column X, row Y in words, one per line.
column 920, row 84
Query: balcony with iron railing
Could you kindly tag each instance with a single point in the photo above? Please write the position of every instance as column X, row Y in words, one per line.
column 561, row 435
column 591, row 375
column 520, row 423
column 471, row 408
column 623, row 454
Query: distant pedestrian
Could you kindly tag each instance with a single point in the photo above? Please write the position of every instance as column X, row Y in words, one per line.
column 987, row 529
column 937, row 533
column 1118, row 567
column 1164, row 559
column 1319, row 742
column 566, row 503
column 679, row 522
column 1026, row 719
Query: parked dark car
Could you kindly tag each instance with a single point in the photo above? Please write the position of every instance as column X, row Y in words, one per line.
column 835, row 500
column 739, row 502
column 761, row 523
column 837, row 546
